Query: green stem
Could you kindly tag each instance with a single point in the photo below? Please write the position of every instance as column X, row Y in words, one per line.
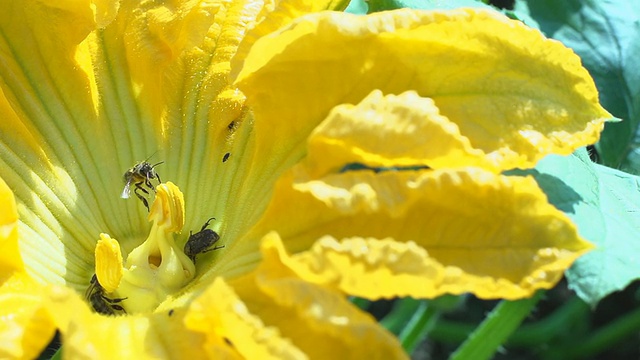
column 361, row 303
column 419, row 325
column 494, row 331
column 539, row 332
column 601, row 339
column 403, row 309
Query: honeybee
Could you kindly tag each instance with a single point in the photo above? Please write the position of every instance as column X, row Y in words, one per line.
column 200, row 242
column 140, row 174
column 99, row 301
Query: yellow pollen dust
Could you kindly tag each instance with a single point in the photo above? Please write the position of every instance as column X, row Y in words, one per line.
column 155, row 269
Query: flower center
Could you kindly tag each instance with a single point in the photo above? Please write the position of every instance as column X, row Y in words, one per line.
column 155, row 269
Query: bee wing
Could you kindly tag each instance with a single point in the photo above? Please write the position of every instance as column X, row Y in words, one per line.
column 126, row 192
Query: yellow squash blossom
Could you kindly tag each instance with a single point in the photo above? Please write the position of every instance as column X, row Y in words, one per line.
column 254, row 114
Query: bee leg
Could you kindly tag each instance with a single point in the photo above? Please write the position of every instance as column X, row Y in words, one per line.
column 144, row 201
column 142, row 198
column 147, row 182
column 158, row 177
column 139, row 187
column 207, row 223
column 113, row 301
column 119, row 308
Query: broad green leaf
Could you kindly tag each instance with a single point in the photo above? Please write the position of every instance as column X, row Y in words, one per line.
column 605, row 34
column 605, row 204
column 381, row 5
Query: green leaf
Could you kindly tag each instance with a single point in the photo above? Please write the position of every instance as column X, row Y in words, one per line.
column 614, row 264
column 605, row 34
column 381, row 5
column 358, row 7
column 605, row 205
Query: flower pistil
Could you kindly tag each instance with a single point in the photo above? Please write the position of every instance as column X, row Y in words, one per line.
column 155, row 269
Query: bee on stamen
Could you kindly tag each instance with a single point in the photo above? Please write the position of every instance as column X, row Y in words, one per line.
column 102, row 304
column 200, row 242
column 140, row 174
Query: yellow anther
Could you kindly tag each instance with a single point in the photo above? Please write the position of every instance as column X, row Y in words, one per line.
column 108, row 263
column 168, row 208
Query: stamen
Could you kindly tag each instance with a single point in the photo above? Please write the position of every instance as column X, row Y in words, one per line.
column 158, row 267
column 108, row 263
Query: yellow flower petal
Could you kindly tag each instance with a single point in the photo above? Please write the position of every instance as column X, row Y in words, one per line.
column 46, row 104
column 25, row 328
column 25, row 325
column 223, row 317
column 363, row 267
column 516, row 95
column 10, row 258
column 274, row 314
column 382, row 131
column 275, row 15
column 488, row 234
column 336, row 328
column 158, row 39
column 105, row 11
column 88, row 335
column 154, row 77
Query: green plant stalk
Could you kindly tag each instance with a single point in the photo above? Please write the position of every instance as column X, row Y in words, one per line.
column 494, row 331
column 418, row 326
column 402, row 310
column 361, row 303
column 539, row 332
column 601, row 339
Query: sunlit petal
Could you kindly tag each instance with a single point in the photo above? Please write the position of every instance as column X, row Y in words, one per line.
column 381, row 132
column 274, row 314
column 91, row 89
column 227, row 323
column 530, row 98
column 275, row 15
column 25, row 326
column 92, row 336
column 488, row 234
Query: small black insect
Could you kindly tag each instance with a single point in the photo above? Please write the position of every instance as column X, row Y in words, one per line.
column 232, row 125
column 99, row 301
column 226, row 157
column 170, row 312
column 201, row 241
column 140, row 174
